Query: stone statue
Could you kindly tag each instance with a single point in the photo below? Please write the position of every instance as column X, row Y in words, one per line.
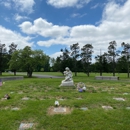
column 68, row 74
column 68, row 81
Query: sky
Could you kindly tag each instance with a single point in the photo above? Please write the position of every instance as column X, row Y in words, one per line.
column 52, row 25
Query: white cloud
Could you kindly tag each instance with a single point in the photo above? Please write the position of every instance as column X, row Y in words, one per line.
column 18, row 17
column 75, row 15
column 44, row 28
column 20, row 5
column 7, row 37
column 55, row 55
column 68, row 3
column 7, row 4
column 114, row 25
column 24, row 5
column 95, row 6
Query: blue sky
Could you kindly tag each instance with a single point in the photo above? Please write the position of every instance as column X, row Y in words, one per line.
column 50, row 25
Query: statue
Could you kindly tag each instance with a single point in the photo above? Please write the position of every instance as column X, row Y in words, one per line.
column 68, row 81
column 68, row 74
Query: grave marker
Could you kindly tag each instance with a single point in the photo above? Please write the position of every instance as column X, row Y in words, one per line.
column 107, row 107
column 84, row 108
column 119, row 99
column 59, row 109
column 24, row 126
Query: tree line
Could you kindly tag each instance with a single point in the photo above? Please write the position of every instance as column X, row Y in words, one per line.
column 24, row 60
column 80, row 59
column 76, row 58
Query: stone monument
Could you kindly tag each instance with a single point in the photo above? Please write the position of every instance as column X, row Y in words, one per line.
column 68, row 81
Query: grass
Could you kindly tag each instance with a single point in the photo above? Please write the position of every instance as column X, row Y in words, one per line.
column 42, row 94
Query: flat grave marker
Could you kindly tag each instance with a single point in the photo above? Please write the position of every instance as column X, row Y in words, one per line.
column 128, row 108
column 107, row 107
column 125, row 93
column 24, row 126
column 119, row 99
column 84, row 108
column 15, row 109
column 25, row 98
column 59, row 109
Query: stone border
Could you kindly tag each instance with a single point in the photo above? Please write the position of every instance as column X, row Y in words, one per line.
column 106, row 77
column 12, row 78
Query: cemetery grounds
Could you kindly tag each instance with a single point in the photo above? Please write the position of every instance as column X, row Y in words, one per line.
column 104, row 106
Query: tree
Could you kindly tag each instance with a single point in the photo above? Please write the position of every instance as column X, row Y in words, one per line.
column 86, row 55
column 126, row 53
column 75, row 54
column 28, row 60
column 121, row 64
column 12, row 48
column 99, row 60
column 112, row 54
column 2, row 54
column 66, row 61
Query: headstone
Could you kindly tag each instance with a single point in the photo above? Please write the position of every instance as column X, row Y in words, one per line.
column 59, row 109
column 84, row 108
column 68, row 81
column 24, row 126
column 15, row 109
column 119, row 99
column 79, row 98
column 128, row 108
column 107, row 107
column 25, row 98
column 125, row 93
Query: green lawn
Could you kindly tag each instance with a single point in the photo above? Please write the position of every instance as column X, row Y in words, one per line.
column 42, row 94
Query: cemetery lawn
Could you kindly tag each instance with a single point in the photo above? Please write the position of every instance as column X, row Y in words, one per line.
column 34, row 97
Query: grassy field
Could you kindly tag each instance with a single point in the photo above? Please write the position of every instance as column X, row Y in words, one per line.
column 43, row 92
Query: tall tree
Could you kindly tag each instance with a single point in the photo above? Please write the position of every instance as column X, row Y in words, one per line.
column 121, row 64
column 126, row 53
column 99, row 61
column 12, row 48
column 75, row 54
column 102, row 63
column 112, row 54
column 65, row 59
column 2, row 54
column 86, row 55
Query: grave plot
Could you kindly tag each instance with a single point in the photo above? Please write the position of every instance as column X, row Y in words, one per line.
column 25, row 126
column 59, row 110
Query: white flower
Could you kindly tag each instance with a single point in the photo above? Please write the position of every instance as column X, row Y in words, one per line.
column 56, row 103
